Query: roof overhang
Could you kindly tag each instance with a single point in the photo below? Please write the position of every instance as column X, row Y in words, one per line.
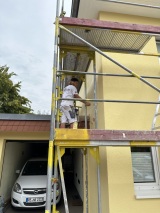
column 26, row 117
column 24, row 123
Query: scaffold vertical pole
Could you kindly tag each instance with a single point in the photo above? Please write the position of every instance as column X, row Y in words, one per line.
column 156, row 114
column 97, row 150
column 55, row 182
column 85, row 91
column 86, row 152
column 98, row 182
column 95, row 93
column 52, row 122
column 59, row 93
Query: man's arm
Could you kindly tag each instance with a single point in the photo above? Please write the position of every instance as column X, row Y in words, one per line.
column 87, row 103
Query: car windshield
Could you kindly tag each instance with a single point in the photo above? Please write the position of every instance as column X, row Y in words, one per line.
column 35, row 168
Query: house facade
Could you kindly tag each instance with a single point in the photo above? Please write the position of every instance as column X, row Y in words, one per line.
column 129, row 175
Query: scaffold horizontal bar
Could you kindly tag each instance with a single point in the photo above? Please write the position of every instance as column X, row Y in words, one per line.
column 93, row 137
column 105, row 135
column 80, row 144
column 102, row 74
column 84, row 49
column 110, row 101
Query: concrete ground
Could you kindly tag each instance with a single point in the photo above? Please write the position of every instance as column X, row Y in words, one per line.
column 61, row 209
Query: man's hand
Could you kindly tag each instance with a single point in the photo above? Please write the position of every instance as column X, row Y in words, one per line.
column 87, row 103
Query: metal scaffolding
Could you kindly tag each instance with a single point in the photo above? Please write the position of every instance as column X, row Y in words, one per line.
column 74, row 49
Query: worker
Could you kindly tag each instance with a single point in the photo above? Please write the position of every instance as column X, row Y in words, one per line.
column 67, row 106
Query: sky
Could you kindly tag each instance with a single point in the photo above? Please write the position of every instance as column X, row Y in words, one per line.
column 27, row 46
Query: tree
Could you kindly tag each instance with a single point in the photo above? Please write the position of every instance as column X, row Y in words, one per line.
column 10, row 99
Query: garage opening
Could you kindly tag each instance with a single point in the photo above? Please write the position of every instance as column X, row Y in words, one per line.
column 72, row 162
column 18, row 152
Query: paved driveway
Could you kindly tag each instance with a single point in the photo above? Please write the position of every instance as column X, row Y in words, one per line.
column 72, row 209
column 74, row 204
column 10, row 209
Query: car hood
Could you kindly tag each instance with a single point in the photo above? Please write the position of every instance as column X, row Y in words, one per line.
column 38, row 181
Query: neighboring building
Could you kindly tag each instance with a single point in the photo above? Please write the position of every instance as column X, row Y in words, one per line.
column 21, row 137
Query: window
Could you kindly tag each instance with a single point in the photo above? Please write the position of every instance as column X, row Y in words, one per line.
column 158, row 46
column 145, row 164
column 143, row 170
column 35, row 168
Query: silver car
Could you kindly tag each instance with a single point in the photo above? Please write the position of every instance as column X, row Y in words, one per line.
column 29, row 190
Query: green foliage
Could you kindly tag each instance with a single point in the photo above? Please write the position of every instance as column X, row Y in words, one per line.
column 10, row 99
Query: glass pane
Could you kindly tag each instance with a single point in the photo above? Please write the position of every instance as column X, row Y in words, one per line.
column 158, row 47
column 142, row 164
column 35, row 168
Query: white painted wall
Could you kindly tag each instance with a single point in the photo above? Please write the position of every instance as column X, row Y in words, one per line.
column 16, row 154
column 78, row 171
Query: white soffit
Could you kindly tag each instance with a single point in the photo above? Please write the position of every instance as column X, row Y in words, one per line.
column 147, row 8
column 104, row 39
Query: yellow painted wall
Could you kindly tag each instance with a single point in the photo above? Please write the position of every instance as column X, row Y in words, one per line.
column 117, row 184
column 128, row 18
column 2, row 148
column 132, row 89
column 128, row 116
column 15, row 156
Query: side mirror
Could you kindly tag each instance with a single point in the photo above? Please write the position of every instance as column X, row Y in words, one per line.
column 18, row 171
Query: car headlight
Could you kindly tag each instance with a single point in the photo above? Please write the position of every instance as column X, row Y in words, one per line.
column 17, row 188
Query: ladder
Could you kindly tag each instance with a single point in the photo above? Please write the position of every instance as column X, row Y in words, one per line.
column 156, row 114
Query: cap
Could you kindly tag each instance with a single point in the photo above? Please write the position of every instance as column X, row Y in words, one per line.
column 74, row 79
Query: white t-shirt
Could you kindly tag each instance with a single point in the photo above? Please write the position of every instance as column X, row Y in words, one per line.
column 68, row 92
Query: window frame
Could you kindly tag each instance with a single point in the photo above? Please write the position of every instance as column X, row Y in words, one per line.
column 158, row 48
column 156, row 168
column 158, row 42
column 150, row 189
